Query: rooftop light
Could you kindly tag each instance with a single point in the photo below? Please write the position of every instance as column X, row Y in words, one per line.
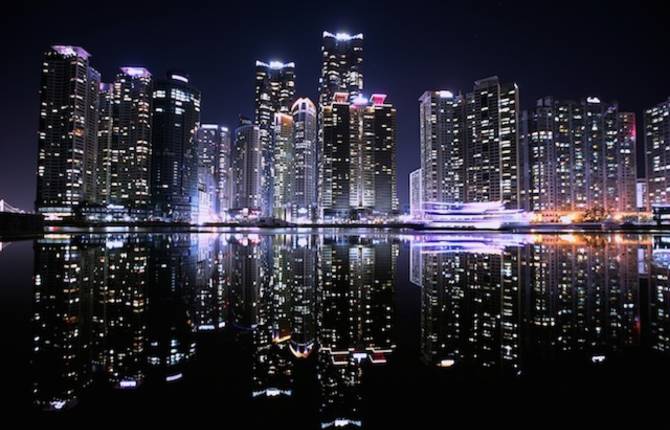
column 136, row 72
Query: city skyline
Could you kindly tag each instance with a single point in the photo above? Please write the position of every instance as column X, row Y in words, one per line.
column 383, row 72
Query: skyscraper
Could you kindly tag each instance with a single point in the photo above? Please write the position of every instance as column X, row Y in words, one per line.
column 416, row 194
column 580, row 156
column 492, row 140
column 67, row 146
column 334, row 161
column 246, row 168
column 303, row 199
column 105, row 128
column 341, row 73
column 442, row 134
column 225, row 178
column 284, row 170
column 213, row 176
column 357, row 173
column 341, row 61
column 176, row 117
column 656, row 142
column 130, row 155
column 383, row 127
column 275, row 91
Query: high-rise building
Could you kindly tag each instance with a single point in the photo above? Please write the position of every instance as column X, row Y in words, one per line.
column 442, row 134
column 225, row 178
column 656, row 142
column 341, row 73
column 105, row 128
column 334, row 161
column 492, row 141
column 246, row 168
column 341, row 61
column 303, row 199
column 176, row 117
column 357, row 167
column 275, row 92
column 67, row 146
column 416, row 194
column 383, row 126
column 624, row 189
column 580, row 156
column 213, row 176
column 284, row 162
column 361, row 156
column 130, row 155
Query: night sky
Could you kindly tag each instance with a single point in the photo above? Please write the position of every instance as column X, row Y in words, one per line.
column 564, row 49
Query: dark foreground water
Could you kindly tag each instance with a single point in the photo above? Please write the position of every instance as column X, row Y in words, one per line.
column 337, row 329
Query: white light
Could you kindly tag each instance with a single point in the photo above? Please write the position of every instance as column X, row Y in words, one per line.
column 171, row 378
column 446, row 363
column 444, row 94
column 128, row 384
column 179, row 78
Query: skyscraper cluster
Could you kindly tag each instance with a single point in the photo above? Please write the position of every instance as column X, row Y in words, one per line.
column 126, row 150
column 563, row 160
column 135, row 149
column 357, row 138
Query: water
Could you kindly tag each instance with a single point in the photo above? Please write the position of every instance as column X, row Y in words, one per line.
column 332, row 330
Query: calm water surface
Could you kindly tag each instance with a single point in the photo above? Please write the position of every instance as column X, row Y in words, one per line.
column 336, row 330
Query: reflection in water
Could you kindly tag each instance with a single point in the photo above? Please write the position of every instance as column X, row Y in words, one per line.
column 127, row 310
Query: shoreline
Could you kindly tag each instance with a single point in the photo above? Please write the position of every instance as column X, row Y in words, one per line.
column 407, row 228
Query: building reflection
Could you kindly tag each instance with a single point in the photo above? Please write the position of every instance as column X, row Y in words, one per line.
column 497, row 302
column 128, row 310
column 356, row 279
column 470, row 301
column 659, row 295
column 111, row 305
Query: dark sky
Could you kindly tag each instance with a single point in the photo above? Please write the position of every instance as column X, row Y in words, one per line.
column 565, row 49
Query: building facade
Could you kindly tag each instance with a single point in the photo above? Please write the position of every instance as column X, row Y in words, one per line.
column 416, row 194
column 303, row 199
column 341, row 66
column 67, row 138
column 246, row 168
column 105, row 128
column 442, row 135
column 284, row 166
column 492, row 142
column 176, row 118
column 213, row 175
column 657, row 155
column 130, row 154
column 357, row 159
column 275, row 92
column 580, row 157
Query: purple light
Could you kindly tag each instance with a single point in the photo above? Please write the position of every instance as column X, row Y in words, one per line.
column 71, row 51
column 378, row 99
column 136, row 72
column 360, row 100
column 340, row 97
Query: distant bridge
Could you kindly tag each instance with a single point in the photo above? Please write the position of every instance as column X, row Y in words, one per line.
column 14, row 221
column 6, row 207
